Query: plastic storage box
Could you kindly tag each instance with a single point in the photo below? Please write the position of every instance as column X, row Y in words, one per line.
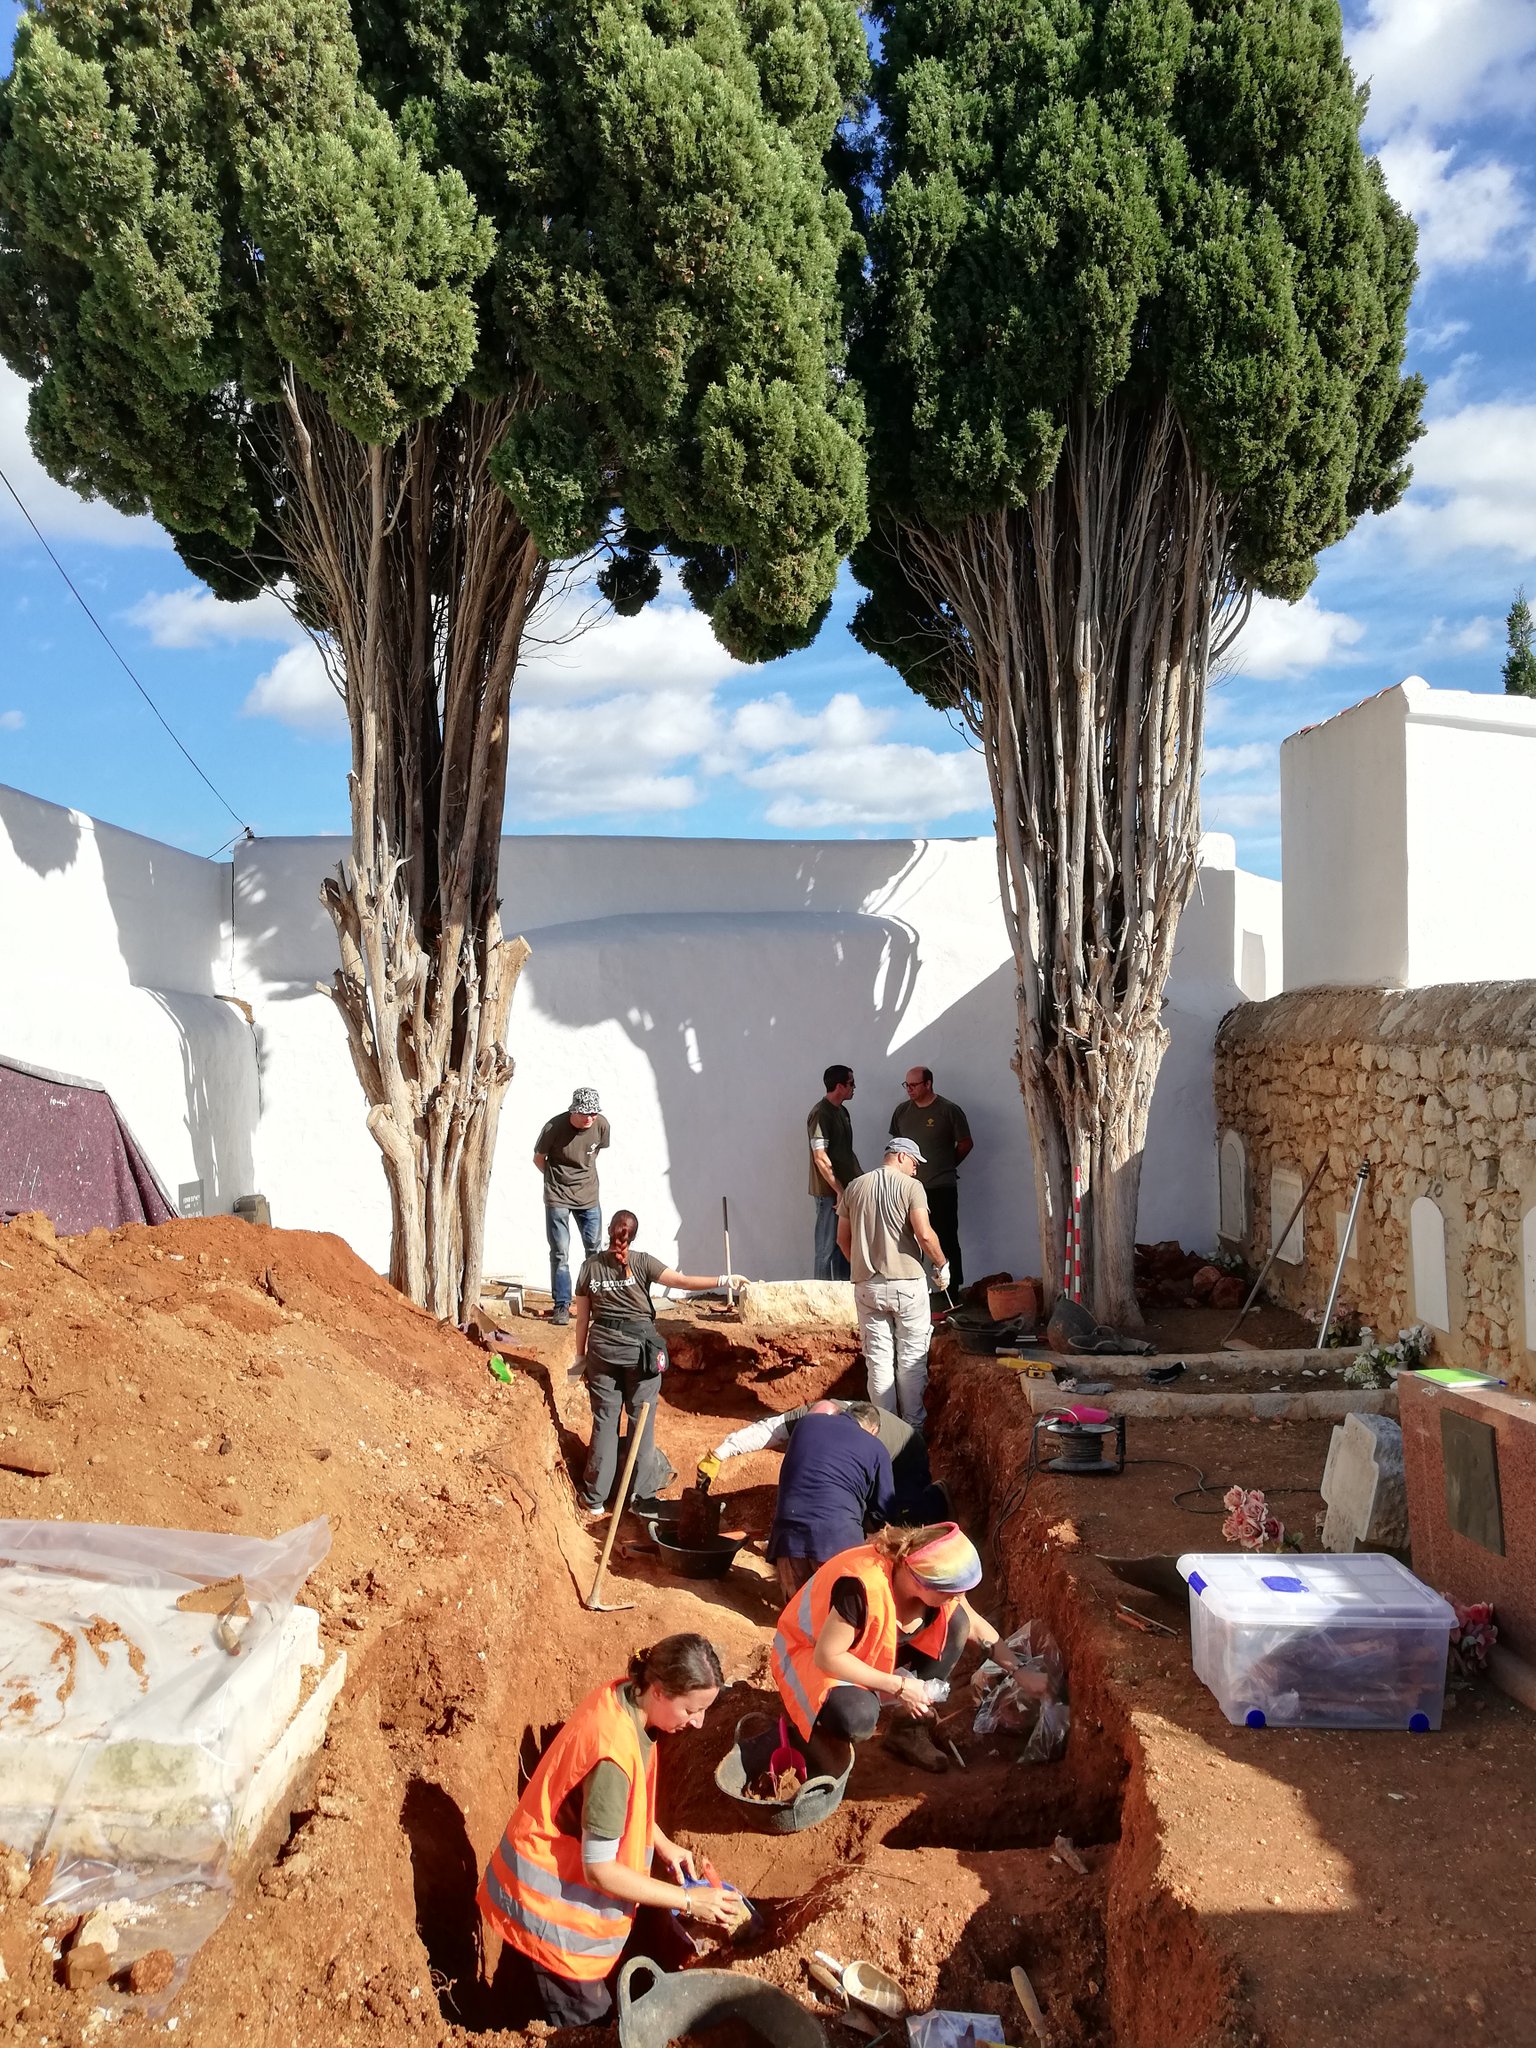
column 1348, row 1641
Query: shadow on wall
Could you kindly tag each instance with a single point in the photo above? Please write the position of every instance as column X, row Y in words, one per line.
column 45, row 837
column 219, row 1072
column 736, row 1018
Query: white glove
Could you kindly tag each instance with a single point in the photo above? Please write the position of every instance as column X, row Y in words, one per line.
column 941, row 1278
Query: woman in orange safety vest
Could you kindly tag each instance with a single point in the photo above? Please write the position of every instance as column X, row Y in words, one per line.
column 573, row 1867
column 870, row 1627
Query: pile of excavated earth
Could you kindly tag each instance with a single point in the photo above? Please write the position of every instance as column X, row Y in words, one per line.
column 210, row 1375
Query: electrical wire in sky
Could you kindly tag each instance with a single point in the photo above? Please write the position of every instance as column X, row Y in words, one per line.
column 122, row 662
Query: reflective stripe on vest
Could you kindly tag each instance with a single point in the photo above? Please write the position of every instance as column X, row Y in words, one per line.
column 802, row 1686
column 533, row 1891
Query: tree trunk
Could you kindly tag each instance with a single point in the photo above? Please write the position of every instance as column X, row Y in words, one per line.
column 1083, row 634
column 420, row 581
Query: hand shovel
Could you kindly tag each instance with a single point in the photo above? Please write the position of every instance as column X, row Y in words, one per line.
column 786, row 1757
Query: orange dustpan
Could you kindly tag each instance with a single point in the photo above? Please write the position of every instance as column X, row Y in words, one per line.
column 786, row 1757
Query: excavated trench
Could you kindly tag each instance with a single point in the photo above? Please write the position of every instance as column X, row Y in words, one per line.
column 946, row 1881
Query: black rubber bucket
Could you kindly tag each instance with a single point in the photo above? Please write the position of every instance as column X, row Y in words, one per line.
column 817, row 1800
column 711, row 1559
column 699, row 1999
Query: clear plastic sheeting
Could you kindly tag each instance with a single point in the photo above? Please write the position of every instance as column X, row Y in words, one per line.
column 131, row 1729
column 1031, row 1701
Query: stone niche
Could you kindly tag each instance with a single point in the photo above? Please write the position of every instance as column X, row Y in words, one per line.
column 1435, row 1089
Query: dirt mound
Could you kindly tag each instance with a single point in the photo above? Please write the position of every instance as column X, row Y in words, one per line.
column 210, row 1374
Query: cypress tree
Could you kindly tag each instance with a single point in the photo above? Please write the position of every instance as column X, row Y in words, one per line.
column 1133, row 341
column 1519, row 669
column 388, row 309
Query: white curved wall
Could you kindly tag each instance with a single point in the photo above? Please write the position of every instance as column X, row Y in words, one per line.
column 700, row 985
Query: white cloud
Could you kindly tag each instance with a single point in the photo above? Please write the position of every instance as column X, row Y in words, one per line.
column 1435, row 60
column 1471, row 214
column 1239, row 760
column 869, row 785
column 582, row 651
column 12, row 721
column 1282, row 640
column 1474, row 484
column 59, row 513
column 194, row 617
column 1238, row 810
column 1443, row 335
column 1469, row 638
column 297, row 690
column 770, row 723
column 611, row 757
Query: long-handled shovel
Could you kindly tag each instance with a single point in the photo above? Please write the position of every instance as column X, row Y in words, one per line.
column 636, row 1432
column 1274, row 1253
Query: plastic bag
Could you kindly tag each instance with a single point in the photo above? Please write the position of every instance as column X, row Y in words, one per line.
column 1031, row 1702
column 136, row 1761
column 953, row 2030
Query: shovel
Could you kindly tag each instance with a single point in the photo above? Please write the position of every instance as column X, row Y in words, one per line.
column 636, row 1432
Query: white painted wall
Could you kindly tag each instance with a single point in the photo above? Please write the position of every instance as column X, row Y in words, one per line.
column 115, row 949
column 1407, row 828
column 700, row 985
column 1344, row 848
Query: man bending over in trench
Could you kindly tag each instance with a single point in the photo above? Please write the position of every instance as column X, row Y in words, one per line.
column 872, row 1628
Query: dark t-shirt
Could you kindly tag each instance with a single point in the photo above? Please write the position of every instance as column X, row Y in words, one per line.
column 937, row 1132
column 570, row 1160
column 850, row 1601
column 835, row 1486
column 618, row 1296
column 831, row 1122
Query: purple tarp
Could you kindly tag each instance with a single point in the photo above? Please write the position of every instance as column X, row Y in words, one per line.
column 65, row 1150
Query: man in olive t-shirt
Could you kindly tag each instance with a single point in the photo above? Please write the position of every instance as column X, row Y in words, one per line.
column 883, row 1230
column 565, row 1152
column 939, row 1127
column 834, row 1163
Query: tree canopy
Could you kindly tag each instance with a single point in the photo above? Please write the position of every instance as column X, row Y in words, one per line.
column 1084, row 198
column 616, row 208
column 1519, row 670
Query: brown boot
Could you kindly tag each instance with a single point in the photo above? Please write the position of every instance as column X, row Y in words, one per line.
column 911, row 1741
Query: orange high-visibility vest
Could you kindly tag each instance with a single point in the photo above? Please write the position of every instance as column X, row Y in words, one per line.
column 802, row 1687
column 534, row 1892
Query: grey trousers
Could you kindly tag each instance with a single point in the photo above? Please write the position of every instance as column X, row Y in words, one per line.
column 616, row 1391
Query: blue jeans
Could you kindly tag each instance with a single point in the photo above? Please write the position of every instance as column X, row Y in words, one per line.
column 830, row 1263
column 557, row 1228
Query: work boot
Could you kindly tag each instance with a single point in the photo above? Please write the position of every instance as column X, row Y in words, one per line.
column 560, row 1317
column 911, row 1741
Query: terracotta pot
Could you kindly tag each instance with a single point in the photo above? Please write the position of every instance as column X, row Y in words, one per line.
column 1010, row 1298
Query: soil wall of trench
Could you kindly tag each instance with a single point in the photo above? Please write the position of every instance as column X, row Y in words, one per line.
column 454, row 1585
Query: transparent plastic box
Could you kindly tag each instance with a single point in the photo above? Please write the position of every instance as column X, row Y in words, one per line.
column 1348, row 1641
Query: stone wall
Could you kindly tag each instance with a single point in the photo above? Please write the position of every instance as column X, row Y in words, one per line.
column 1436, row 1089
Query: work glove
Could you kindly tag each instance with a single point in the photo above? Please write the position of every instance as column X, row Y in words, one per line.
column 709, row 1465
column 941, row 1278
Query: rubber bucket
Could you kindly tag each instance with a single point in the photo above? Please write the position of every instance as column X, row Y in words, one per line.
column 817, row 1800
column 1009, row 1299
column 698, row 1999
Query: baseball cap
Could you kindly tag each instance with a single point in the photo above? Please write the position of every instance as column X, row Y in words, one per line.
column 907, row 1147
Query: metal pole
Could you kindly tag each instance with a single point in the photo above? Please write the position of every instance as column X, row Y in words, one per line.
column 1361, row 1176
column 1274, row 1251
column 725, row 1218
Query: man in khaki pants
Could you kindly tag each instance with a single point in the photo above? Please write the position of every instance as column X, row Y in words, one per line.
column 883, row 1231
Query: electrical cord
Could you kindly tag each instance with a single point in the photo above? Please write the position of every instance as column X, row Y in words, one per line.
column 1017, row 1494
column 122, row 662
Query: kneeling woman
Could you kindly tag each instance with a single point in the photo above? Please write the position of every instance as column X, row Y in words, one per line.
column 574, row 1864
column 866, row 1630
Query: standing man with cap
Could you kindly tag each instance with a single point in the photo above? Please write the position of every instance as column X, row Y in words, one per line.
column 939, row 1126
column 834, row 1163
column 884, row 1233
column 566, row 1154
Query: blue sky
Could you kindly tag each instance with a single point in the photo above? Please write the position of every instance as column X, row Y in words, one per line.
column 646, row 726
